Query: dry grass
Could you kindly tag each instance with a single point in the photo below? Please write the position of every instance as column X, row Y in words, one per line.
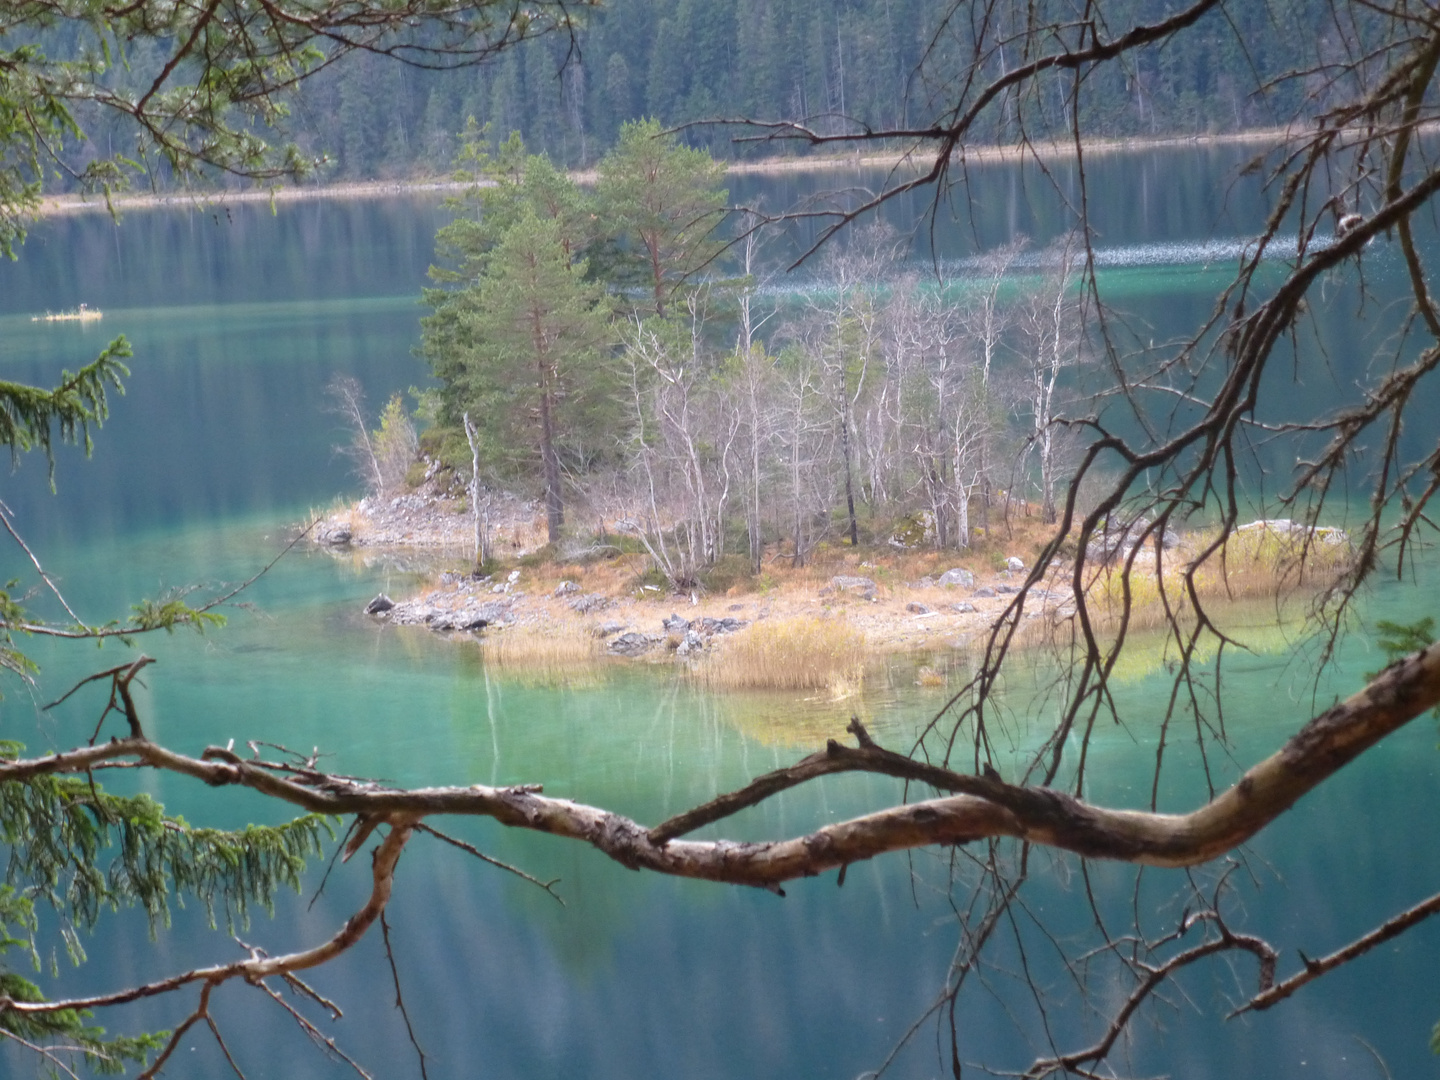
column 1257, row 564
column 551, row 655
column 801, row 653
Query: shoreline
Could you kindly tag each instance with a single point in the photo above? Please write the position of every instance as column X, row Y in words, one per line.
column 901, row 600
column 58, row 205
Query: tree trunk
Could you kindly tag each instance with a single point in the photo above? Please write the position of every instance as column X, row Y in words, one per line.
column 554, row 506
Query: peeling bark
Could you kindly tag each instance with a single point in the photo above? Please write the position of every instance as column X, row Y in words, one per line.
column 982, row 806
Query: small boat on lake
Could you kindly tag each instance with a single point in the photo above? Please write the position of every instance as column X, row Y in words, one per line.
column 81, row 314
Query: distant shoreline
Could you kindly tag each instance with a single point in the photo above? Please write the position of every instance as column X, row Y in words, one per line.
column 56, row 205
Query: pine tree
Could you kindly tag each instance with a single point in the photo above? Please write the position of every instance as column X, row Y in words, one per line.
column 663, row 202
column 525, row 353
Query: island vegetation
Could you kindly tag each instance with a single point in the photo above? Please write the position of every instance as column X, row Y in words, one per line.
column 519, row 336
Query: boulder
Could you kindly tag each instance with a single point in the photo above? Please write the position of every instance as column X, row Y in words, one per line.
column 917, row 609
column 917, row 530
column 675, row 624
column 589, row 603
column 984, row 591
column 566, row 588
column 848, row 583
column 1014, row 563
column 963, row 608
column 632, row 644
column 380, row 605
column 605, row 629
column 958, row 577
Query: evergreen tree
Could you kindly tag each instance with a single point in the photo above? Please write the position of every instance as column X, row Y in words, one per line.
column 523, row 353
column 662, row 202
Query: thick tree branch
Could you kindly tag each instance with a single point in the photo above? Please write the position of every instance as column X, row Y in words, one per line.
column 991, row 808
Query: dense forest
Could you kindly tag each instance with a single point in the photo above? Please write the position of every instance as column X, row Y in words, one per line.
column 837, row 65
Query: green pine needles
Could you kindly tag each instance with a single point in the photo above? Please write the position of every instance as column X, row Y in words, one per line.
column 80, row 850
column 83, row 849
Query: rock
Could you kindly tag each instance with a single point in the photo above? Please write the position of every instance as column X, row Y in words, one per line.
column 963, row 608
column 693, row 643
column 338, row 536
column 1014, row 563
column 380, row 605
column 589, row 603
column 709, row 627
column 917, row 609
column 917, row 530
column 1118, row 540
column 984, row 591
column 675, row 624
column 925, row 583
column 1326, row 534
column 605, row 629
column 958, row 577
column 846, row 583
column 566, row 588
column 632, row 644
column 514, row 577
column 1170, row 539
column 1006, row 590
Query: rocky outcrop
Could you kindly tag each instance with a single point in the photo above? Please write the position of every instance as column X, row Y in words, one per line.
column 472, row 614
column 633, row 643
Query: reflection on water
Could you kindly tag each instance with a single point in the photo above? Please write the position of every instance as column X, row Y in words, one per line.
column 221, row 441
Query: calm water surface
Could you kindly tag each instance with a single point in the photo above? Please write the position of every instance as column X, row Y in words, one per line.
column 238, row 319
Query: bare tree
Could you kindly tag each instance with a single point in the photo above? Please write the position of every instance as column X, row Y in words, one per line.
column 480, row 497
column 1052, row 333
column 986, row 320
column 805, row 434
column 752, row 388
column 683, row 434
column 347, row 399
column 845, row 336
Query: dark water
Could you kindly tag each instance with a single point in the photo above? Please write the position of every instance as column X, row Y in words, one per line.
column 238, row 320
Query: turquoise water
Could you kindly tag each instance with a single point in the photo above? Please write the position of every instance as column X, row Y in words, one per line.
column 221, row 441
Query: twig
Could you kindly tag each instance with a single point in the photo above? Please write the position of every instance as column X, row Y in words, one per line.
column 311, row 1030
column 6, row 520
column 49, row 1053
column 320, row 999
column 202, row 1011
column 463, row 846
column 1315, row 968
column 87, row 633
column 399, row 997
column 223, row 1048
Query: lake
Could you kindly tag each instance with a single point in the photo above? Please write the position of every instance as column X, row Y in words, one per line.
column 239, row 317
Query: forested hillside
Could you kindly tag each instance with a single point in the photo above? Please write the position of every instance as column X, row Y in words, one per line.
column 837, row 64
